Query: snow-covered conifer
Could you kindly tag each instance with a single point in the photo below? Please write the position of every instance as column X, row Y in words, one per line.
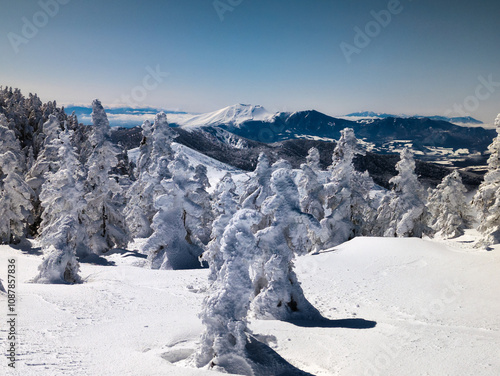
column 226, row 307
column 145, row 149
column 155, row 149
column 349, row 212
column 225, row 205
column 311, row 189
column 197, row 194
column 174, row 244
column 403, row 212
column 46, row 160
column 15, row 194
column 258, row 188
column 278, row 292
column 449, row 210
column 162, row 136
column 487, row 198
column 62, row 199
column 106, row 227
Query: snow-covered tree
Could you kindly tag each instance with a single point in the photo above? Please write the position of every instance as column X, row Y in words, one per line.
column 278, row 292
column 349, row 212
column 46, row 160
column 197, row 194
column 155, row 154
column 62, row 198
column 402, row 213
column 15, row 194
column 258, row 188
column 145, row 149
column 141, row 195
column 487, row 198
column 106, row 227
column 311, row 189
column 448, row 208
column 226, row 306
column 225, row 205
column 174, row 243
column 161, row 146
column 59, row 265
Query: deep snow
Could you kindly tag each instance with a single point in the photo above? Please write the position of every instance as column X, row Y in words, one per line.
column 435, row 304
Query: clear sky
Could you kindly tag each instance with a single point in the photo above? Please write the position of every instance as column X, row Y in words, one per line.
column 285, row 55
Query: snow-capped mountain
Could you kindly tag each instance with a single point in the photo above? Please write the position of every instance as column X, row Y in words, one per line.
column 231, row 115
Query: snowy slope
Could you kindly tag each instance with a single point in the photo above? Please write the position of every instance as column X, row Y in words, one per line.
column 215, row 169
column 435, row 306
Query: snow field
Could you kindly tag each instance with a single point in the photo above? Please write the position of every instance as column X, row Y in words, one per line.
column 435, row 305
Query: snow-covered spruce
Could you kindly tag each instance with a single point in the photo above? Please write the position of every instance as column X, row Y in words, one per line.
column 311, row 189
column 15, row 194
column 58, row 266
column 448, row 208
column 278, row 294
column 226, row 307
column 162, row 136
column 224, row 206
column 106, row 224
column 487, row 198
column 402, row 213
column 349, row 212
column 62, row 198
column 258, row 188
column 174, row 243
column 197, row 193
column 155, row 146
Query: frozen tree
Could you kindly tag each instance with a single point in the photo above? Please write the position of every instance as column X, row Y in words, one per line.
column 15, row 194
column 278, row 292
column 225, row 205
column 155, row 154
column 226, row 306
column 311, row 189
column 198, row 195
column 58, row 266
column 161, row 146
column 174, row 244
column 258, row 188
column 106, row 227
column 449, row 210
column 403, row 213
column 145, row 149
column 62, row 234
column 140, row 210
column 487, row 198
column 349, row 212
column 62, row 198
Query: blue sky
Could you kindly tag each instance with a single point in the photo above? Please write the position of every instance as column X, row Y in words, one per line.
column 429, row 58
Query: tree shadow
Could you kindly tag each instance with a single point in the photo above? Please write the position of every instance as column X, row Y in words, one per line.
column 94, row 259
column 342, row 323
column 266, row 361
column 126, row 253
column 26, row 247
